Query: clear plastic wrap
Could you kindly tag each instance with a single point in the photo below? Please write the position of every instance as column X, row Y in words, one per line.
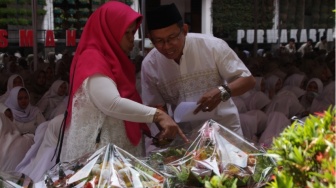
column 109, row 166
column 215, row 151
column 15, row 180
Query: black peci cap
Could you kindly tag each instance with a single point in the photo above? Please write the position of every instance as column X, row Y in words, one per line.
column 162, row 17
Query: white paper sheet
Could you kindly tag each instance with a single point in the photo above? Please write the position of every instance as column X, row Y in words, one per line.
column 184, row 113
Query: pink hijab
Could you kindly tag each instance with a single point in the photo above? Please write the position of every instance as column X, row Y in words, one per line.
column 99, row 52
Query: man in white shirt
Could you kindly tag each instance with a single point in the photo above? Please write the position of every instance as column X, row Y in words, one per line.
column 291, row 46
column 322, row 44
column 190, row 67
column 306, row 47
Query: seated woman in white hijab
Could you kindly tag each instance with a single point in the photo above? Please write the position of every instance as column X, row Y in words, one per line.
column 31, row 153
column 276, row 123
column 314, row 88
column 26, row 116
column 239, row 102
column 256, row 103
column 61, row 107
column 296, row 79
column 273, row 85
column 325, row 100
column 7, row 111
column 42, row 159
column 13, row 145
column 52, row 98
column 13, row 81
column 287, row 103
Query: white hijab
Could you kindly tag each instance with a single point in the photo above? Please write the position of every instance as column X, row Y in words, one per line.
column 19, row 114
column 294, row 80
column 3, row 108
column 9, row 87
column 51, row 99
column 39, row 158
column 276, row 123
column 13, row 145
column 325, row 99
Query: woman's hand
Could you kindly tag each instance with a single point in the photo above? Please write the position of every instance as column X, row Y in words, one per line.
column 169, row 129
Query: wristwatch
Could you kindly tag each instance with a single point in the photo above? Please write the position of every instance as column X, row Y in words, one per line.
column 225, row 94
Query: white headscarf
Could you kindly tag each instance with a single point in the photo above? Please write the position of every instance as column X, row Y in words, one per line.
column 3, row 108
column 325, row 99
column 9, row 86
column 287, row 103
column 13, row 145
column 257, row 101
column 40, row 156
column 294, row 80
column 19, row 114
column 276, row 123
column 50, row 100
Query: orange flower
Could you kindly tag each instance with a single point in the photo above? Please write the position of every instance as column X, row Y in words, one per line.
column 319, row 157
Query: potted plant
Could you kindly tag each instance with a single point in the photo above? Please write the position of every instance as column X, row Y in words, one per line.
column 58, row 10
column 84, row 11
column 71, row 11
column 58, row 1
column 72, row 20
column 83, row 21
column 84, row 2
column 306, row 153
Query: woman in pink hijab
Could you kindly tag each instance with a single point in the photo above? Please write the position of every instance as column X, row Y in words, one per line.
column 101, row 63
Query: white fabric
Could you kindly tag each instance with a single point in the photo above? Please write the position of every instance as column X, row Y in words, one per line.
column 321, row 45
column 291, row 49
column 43, row 158
column 207, row 62
column 31, row 154
column 295, row 80
column 9, row 87
column 325, row 100
column 296, row 90
column 270, row 85
column 13, row 145
column 3, row 108
column 287, row 103
column 26, row 119
column 305, row 48
column 310, row 94
column 249, row 126
column 98, row 105
column 240, row 104
column 61, row 108
column 51, row 99
column 257, row 101
column 276, row 123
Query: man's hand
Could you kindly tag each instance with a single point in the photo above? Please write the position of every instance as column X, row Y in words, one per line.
column 208, row 101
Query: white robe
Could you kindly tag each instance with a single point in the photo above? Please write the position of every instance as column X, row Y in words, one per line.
column 13, row 145
column 207, row 62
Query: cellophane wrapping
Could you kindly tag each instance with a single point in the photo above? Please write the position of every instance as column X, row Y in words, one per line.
column 215, row 151
column 109, row 166
column 15, row 180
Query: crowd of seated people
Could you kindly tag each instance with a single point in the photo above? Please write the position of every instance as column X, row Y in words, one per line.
column 32, row 102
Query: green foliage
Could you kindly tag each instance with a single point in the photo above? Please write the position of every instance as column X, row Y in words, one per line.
column 230, row 15
column 223, row 181
column 5, row 2
column 306, row 153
